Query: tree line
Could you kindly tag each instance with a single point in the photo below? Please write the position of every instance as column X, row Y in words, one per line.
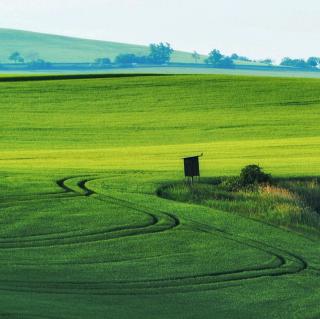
column 158, row 54
column 312, row 62
column 161, row 54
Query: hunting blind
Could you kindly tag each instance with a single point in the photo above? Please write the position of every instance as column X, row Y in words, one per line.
column 191, row 167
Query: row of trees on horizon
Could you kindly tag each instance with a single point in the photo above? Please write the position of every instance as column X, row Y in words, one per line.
column 161, row 54
column 32, row 60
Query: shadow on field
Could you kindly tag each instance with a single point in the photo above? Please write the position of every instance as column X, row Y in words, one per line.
column 74, row 77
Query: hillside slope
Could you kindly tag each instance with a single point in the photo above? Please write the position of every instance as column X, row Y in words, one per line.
column 83, row 233
column 56, row 48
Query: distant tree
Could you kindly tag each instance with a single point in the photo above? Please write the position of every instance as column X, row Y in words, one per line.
column 196, row 56
column 103, row 61
column 286, row 62
column 237, row 57
column 217, row 59
column 296, row 63
column 226, row 62
column 160, row 53
column 214, row 57
column 266, row 61
column 234, row 56
column 313, row 62
column 16, row 57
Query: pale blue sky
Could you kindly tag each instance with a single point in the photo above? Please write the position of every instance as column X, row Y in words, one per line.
column 259, row 29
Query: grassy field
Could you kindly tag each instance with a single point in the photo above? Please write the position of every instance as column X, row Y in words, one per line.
column 288, row 203
column 83, row 232
column 173, row 70
column 60, row 49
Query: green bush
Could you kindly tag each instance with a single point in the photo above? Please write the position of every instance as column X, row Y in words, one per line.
column 254, row 175
column 250, row 177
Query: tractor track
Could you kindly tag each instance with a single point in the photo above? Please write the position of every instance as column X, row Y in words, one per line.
column 94, row 236
column 284, row 262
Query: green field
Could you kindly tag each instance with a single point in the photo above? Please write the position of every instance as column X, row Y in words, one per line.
column 83, row 232
column 61, row 49
column 173, row 70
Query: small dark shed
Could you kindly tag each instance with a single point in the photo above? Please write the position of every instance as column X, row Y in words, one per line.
column 191, row 166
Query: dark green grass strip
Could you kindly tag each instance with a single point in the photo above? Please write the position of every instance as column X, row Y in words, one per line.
column 74, row 77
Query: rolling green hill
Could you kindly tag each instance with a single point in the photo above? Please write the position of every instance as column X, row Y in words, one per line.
column 84, row 233
column 56, row 48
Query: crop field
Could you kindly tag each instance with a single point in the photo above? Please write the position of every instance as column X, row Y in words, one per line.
column 84, row 232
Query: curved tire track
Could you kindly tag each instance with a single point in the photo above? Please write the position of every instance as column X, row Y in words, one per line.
column 168, row 221
column 285, row 262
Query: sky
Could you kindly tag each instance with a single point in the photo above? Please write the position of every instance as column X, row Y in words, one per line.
column 255, row 28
